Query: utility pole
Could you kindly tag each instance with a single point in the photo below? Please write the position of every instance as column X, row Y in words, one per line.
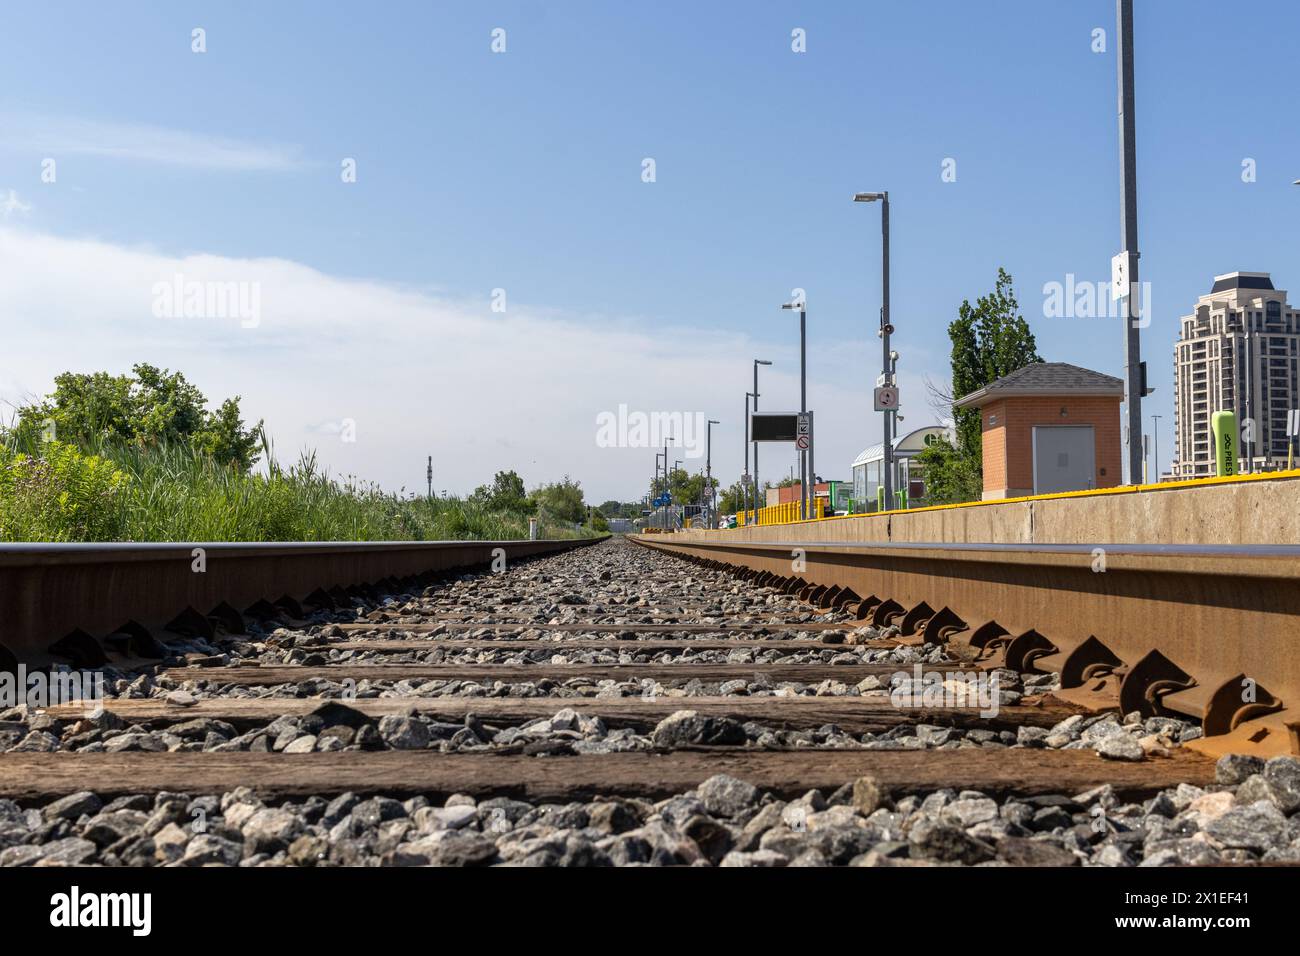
column 805, row 457
column 1134, row 371
column 885, row 329
column 657, row 489
column 1155, row 443
column 708, row 474
column 676, row 462
column 803, row 408
column 757, row 488
column 746, row 492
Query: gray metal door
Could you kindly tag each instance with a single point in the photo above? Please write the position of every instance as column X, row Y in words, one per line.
column 1063, row 458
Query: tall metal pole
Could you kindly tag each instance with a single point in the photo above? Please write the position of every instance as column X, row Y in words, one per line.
column 667, row 439
column 744, row 478
column 1134, row 386
column 803, row 410
column 1155, row 442
column 671, row 519
column 755, row 444
column 884, row 338
column 751, row 433
column 757, row 489
column 654, row 491
column 708, row 475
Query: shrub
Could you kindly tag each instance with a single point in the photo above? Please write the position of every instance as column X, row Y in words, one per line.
column 60, row 495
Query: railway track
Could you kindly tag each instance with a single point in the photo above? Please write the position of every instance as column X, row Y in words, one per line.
column 602, row 705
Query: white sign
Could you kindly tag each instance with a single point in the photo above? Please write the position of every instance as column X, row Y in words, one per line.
column 1120, row 270
column 803, row 433
column 1293, row 422
column 886, row 398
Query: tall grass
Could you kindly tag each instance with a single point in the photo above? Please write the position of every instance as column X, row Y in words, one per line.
column 174, row 493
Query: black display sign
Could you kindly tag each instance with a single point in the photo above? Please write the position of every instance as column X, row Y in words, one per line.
column 774, row 426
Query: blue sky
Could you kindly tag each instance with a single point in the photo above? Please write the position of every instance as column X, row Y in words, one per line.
column 522, row 171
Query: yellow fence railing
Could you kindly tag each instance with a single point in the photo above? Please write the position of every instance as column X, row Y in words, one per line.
column 790, row 511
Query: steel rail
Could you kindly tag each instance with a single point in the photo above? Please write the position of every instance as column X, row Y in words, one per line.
column 1204, row 631
column 68, row 602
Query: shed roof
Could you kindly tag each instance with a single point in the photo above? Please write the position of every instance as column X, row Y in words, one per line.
column 1043, row 379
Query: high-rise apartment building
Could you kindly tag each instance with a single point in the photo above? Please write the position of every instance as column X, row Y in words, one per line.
column 1236, row 352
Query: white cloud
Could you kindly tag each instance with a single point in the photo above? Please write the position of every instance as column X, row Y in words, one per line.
column 417, row 374
column 57, row 136
column 11, row 204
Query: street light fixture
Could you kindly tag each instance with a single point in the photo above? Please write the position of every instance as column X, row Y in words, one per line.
column 885, row 330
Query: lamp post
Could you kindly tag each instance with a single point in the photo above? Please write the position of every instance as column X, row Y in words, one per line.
column 745, row 492
column 885, row 329
column 1155, row 443
column 804, row 496
column 708, row 473
column 676, row 462
column 757, row 489
column 1134, row 369
column 654, row 488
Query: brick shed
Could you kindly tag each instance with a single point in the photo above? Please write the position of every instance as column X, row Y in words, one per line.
column 1049, row 427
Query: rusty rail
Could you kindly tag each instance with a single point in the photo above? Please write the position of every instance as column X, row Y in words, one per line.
column 68, row 602
column 1203, row 631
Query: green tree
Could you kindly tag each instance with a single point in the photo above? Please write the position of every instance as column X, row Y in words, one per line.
column 150, row 407
column 686, row 488
column 950, row 476
column 731, row 499
column 506, row 493
column 561, row 500
column 990, row 339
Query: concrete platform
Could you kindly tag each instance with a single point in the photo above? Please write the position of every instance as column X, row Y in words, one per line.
column 1245, row 510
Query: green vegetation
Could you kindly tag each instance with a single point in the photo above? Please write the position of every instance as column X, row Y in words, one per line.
column 732, row 499
column 621, row 509
column 561, row 501
column 686, row 488
column 989, row 340
column 148, row 409
column 141, row 459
